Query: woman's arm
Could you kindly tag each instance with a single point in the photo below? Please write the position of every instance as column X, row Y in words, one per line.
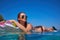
column 19, row 25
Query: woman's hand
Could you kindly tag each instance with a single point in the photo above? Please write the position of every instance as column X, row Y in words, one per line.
column 19, row 25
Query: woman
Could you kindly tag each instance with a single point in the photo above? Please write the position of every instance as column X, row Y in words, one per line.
column 22, row 22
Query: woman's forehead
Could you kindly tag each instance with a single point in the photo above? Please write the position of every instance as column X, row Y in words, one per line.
column 22, row 14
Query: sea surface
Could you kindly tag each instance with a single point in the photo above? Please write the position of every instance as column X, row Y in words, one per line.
column 33, row 36
column 43, row 36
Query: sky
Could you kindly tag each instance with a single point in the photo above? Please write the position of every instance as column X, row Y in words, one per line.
column 39, row 12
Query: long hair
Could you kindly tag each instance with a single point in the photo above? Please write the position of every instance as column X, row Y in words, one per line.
column 20, row 21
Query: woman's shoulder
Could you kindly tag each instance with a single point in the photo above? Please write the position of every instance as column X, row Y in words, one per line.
column 29, row 24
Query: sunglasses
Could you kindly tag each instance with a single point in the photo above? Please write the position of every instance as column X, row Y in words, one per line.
column 23, row 16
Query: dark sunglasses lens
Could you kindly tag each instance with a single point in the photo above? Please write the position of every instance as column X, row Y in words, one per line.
column 22, row 16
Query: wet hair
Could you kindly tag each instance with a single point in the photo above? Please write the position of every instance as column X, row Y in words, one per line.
column 20, row 21
column 54, row 28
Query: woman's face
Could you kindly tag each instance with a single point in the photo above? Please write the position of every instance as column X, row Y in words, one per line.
column 22, row 17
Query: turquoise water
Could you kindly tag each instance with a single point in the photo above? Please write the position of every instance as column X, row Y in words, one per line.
column 9, row 37
column 43, row 36
column 33, row 36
